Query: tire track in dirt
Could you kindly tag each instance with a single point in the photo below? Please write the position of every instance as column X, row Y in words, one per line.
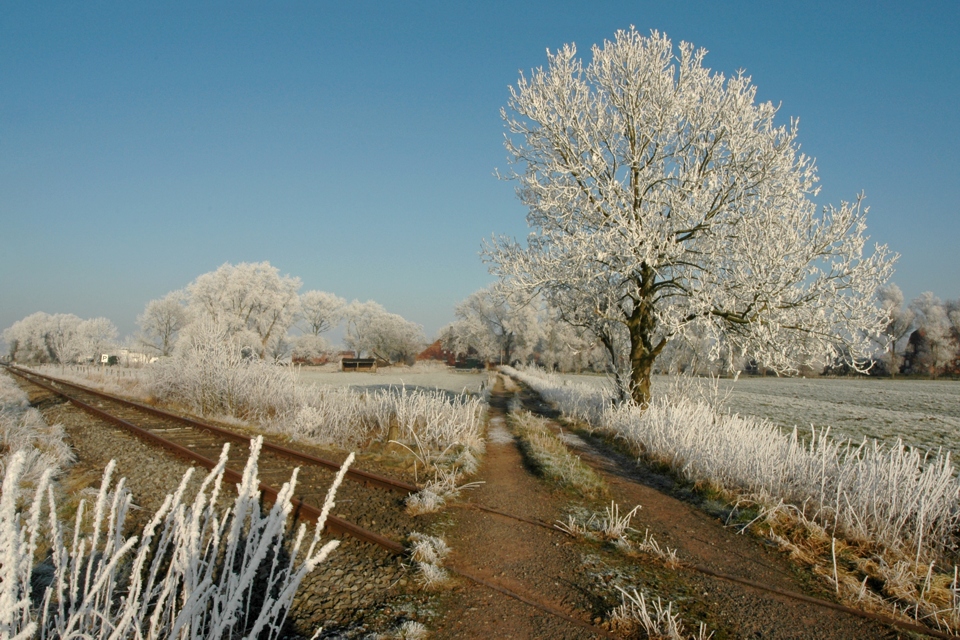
column 523, row 558
column 731, row 610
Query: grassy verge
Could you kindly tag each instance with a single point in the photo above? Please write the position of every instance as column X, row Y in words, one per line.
column 550, row 458
column 879, row 524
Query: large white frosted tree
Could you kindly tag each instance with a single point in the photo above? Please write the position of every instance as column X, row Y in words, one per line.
column 372, row 330
column 161, row 322
column 497, row 326
column 669, row 186
column 251, row 300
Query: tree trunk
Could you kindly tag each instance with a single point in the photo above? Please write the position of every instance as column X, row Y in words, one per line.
column 642, row 326
column 642, row 355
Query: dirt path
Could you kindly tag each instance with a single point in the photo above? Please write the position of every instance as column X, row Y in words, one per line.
column 729, row 609
column 579, row 577
column 521, row 557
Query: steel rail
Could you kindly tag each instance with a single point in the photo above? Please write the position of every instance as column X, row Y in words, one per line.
column 337, row 525
column 358, row 475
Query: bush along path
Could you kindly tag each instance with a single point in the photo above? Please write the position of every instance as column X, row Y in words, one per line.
column 583, row 573
column 763, row 604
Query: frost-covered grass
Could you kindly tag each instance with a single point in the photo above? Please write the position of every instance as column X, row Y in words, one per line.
column 655, row 619
column 923, row 413
column 196, row 570
column 552, row 459
column 420, row 376
column 889, row 505
column 23, row 430
column 214, row 381
column 581, row 400
column 896, row 496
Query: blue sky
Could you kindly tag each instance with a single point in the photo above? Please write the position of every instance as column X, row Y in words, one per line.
column 354, row 145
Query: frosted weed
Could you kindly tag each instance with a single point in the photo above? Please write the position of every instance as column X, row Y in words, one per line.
column 656, row 620
column 223, row 558
column 409, row 630
column 428, row 552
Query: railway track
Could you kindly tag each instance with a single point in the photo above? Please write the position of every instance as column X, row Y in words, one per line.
column 367, row 498
column 370, row 498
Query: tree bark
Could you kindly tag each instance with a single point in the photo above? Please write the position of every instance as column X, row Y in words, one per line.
column 642, row 356
column 642, row 325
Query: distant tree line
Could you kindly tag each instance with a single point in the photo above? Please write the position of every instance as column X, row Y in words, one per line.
column 922, row 338
column 260, row 312
column 496, row 325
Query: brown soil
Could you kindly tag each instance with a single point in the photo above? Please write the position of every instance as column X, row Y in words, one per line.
column 579, row 577
column 518, row 556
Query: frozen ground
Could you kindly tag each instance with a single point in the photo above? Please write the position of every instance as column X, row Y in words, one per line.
column 925, row 413
column 412, row 377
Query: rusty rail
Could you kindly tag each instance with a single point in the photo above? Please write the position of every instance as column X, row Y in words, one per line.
column 337, row 525
column 357, row 475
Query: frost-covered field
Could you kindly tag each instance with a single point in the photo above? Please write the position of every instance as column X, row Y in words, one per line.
column 443, row 379
column 925, row 413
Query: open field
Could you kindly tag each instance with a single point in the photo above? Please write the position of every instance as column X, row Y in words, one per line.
column 441, row 378
column 924, row 413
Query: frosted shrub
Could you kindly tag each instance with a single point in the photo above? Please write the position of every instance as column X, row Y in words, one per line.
column 210, row 376
column 656, row 620
column 196, row 570
column 898, row 497
column 13, row 399
column 576, row 400
column 428, row 553
column 435, row 493
column 409, row 630
column 23, row 430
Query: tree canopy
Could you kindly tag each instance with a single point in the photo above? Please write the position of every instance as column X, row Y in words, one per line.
column 665, row 202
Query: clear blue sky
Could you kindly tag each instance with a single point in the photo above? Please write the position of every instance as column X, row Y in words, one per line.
column 354, row 144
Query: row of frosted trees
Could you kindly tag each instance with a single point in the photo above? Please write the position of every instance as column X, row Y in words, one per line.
column 260, row 310
column 496, row 325
column 923, row 337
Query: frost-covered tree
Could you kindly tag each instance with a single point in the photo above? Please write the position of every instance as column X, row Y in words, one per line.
column 565, row 347
column 669, row 185
column 498, row 326
column 591, row 305
column 27, row 339
column 60, row 337
column 63, row 338
column 373, row 331
column 162, row 321
column 938, row 347
column 900, row 322
column 96, row 336
column 44, row 337
column 251, row 299
column 309, row 347
column 320, row 311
